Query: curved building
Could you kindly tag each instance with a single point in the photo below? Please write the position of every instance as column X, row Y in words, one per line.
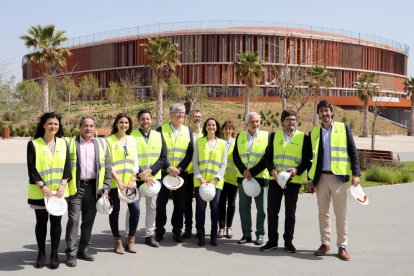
column 208, row 50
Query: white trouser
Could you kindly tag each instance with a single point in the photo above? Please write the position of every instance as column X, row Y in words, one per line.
column 150, row 213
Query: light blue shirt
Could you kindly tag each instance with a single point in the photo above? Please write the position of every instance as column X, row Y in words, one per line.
column 326, row 141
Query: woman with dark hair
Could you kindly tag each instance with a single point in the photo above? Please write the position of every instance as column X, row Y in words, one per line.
column 124, row 160
column 48, row 165
column 229, row 192
column 209, row 162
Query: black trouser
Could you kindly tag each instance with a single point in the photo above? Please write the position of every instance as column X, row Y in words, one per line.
column 83, row 203
column 274, row 201
column 228, row 195
column 188, row 207
column 42, row 217
column 178, row 196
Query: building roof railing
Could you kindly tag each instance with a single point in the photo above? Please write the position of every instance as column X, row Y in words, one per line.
column 229, row 25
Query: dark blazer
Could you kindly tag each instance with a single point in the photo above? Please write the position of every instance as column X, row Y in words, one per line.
column 353, row 157
column 107, row 178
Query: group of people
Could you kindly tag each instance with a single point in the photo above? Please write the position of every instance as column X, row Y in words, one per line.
column 84, row 168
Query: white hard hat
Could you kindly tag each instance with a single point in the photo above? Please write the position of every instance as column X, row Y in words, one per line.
column 251, row 187
column 358, row 194
column 207, row 191
column 282, row 179
column 150, row 190
column 172, row 183
column 104, row 206
column 128, row 195
column 56, row 206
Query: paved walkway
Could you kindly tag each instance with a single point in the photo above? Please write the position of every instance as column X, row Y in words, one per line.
column 380, row 238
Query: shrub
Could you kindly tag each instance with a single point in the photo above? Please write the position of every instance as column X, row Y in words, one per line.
column 387, row 175
column 352, row 124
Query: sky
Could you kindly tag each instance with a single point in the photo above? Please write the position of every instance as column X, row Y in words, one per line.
column 388, row 19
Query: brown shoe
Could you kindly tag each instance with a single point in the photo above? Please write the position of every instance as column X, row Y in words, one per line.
column 322, row 250
column 118, row 248
column 131, row 248
column 343, row 254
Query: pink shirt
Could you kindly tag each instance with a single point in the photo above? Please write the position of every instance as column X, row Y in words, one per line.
column 87, row 159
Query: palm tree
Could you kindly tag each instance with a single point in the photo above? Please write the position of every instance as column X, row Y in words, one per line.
column 317, row 77
column 47, row 52
column 161, row 56
column 409, row 87
column 250, row 70
column 366, row 86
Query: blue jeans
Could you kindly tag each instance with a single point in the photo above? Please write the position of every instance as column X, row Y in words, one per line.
column 201, row 210
column 134, row 211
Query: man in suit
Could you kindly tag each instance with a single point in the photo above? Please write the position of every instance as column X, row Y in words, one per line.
column 334, row 158
column 91, row 172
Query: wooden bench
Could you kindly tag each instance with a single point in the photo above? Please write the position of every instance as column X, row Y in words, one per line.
column 377, row 157
column 102, row 132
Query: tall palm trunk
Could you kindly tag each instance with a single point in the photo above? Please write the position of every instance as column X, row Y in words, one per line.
column 365, row 122
column 159, row 100
column 45, row 86
column 411, row 126
column 246, row 101
column 315, row 109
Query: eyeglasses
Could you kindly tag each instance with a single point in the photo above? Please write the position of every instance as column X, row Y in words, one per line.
column 179, row 113
column 125, row 151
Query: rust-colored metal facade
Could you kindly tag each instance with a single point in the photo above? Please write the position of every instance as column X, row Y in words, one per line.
column 207, row 58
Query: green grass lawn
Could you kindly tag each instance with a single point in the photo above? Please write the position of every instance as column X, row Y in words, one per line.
column 406, row 167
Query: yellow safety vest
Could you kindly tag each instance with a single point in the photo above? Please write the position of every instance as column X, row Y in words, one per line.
column 103, row 146
column 209, row 161
column 195, row 138
column 177, row 148
column 288, row 156
column 122, row 159
column 148, row 153
column 50, row 168
column 340, row 164
column 257, row 151
column 231, row 169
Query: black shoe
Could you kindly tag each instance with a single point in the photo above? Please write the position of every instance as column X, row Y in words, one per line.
column 187, row 233
column 259, row 240
column 159, row 237
column 289, row 247
column 71, row 261
column 41, row 259
column 178, row 237
column 54, row 261
column 268, row 246
column 201, row 238
column 86, row 256
column 213, row 238
column 150, row 241
column 244, row 240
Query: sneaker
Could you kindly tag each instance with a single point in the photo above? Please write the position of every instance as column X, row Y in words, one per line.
column 259, row 240
column 322, row 250
column 244, row 240
column 290, row 248
column 343, row 254
column 150, row 241
column 268, row 246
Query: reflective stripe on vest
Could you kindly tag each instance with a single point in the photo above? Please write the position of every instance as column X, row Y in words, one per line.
column 231, row 169
column 148, row 153
column 122, row 160
column 340, row 164
column 209, row 161
column 257, row 151
column 102, row 148
column 176, row 148
column 50, row 167
column 290, row 155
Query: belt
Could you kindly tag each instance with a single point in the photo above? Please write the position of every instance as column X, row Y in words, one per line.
column 88, row 181
column 327, row 172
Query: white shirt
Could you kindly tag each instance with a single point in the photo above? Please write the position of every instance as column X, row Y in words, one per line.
column 288, row 138
column 176, row 131
column 326, row 142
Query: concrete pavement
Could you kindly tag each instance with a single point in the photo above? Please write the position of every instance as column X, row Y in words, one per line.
column 380, row 238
